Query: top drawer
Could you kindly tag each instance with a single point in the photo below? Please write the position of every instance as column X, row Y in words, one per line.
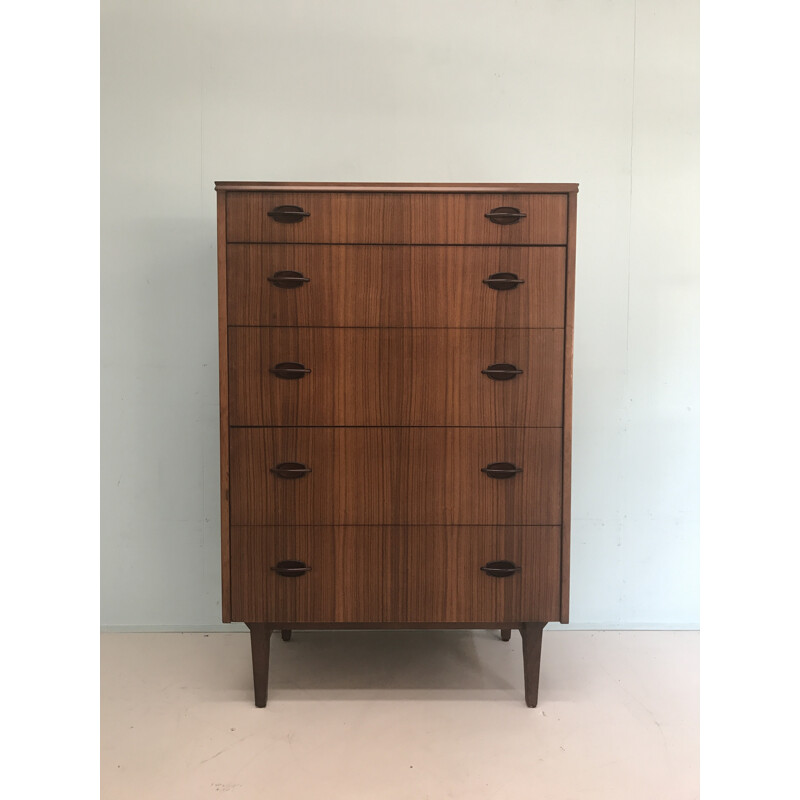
column 396, row 218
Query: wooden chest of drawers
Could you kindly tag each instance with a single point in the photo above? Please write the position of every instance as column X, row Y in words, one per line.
column 395, row 408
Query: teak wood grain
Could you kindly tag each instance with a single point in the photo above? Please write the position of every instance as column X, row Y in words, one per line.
column 383, row 218
column 394, row 376
column 395, row 574
column 396, row 286
column 393, row 518
column 385, row 476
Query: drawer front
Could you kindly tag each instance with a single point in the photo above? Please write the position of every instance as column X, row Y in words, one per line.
column 394, row 574
column 343, row 218
column 395, row 376
column 396, row 286
column 383, row 476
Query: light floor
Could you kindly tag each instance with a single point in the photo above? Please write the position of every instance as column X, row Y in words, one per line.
column 400, row 714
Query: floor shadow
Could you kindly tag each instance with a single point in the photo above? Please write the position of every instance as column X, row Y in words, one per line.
column 399, row 664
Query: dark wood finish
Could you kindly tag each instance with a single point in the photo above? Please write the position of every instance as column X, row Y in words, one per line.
column 365, row 574
column 259, row 648
column 569, row 336
column 426, row 188
column 385, row 476
column 393, row 376
column 395, row 286
column 345, row 217
column 286, row 634
column 531, row 633
column 505, row 634
column 224, row 470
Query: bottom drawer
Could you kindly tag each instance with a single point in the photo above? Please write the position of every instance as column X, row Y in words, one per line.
column 377, row 574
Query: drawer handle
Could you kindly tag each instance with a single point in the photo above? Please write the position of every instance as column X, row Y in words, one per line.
column 291, row 569
column 503, row 281
column 500, row 569
column 505, row 215
column 288, row 214
column 501, row 372
column 290, row 370
column 287, row 279
column 501, row 470
column 290, row 470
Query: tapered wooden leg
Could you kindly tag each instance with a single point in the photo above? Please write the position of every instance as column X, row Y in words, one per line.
column 259, row 645
column 286, row 634
column 505, row 634
column 531, row 633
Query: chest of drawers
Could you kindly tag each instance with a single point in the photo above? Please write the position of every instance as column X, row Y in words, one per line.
column 395, row 408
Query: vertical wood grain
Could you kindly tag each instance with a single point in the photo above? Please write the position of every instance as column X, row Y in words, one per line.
column 397, row 218
column 396, row 376
column 394, row 574
column 386, row 476
column 569, row 336
column 396, row 286
column 224, row 467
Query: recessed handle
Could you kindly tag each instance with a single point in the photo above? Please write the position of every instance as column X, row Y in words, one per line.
column 288, row 214
column 501, row 372
column 288, row 279
column 503, row 281
column 501, row 569
column 505, row 215
column 291, row 569
column 289, row 370
column 501, row 470
column 290, row 470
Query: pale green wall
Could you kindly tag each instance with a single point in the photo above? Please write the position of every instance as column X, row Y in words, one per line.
column 604, row 93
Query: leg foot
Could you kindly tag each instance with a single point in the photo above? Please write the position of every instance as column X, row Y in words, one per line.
column 286, row 635
column 259, row 645
column 505, row 634
column 531, row 633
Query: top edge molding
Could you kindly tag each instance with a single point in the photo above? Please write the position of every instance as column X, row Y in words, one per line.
column 493, row 188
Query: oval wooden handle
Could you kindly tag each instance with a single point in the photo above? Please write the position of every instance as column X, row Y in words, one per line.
column 288, row 214
column 501, row 372
column 291, row 569
column 288, row 279
column 500, row 569
column 501, row 470
column 503, row 281
column 505, row 215
column 290, row 470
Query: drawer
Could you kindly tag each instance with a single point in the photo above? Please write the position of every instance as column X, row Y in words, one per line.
column 395, row 218
column 365, row 574
column 395, row 376
column 384, row 476
column 396, row 286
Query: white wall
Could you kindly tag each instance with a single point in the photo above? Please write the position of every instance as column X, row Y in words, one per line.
column 602, row 92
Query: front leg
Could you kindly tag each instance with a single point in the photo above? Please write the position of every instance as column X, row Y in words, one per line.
column 259, row 646
column 531, row 633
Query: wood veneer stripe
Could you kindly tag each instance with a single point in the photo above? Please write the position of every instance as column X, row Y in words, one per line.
column 396, row 244
column 569, row 335
column 223, row 407
column 409, row 327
